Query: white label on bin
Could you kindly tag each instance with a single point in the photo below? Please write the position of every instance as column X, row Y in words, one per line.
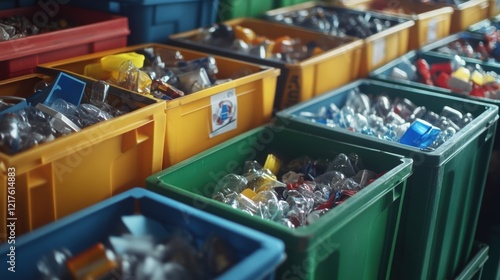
column 378, row 54
column 224, row 112
column 432, row 30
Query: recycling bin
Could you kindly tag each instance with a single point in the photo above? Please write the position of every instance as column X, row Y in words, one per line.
column 251, row 98
column 51, row 180
column 379, row 48
column 298, row 81
column 21, row 56
column 363, row 228
column 444, row 193
column 256, row 254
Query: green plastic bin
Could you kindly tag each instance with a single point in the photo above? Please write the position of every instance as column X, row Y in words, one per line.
column 444, row 193
column 286, row 3
column 474, row 270
column 229, row 9
column 355, row 240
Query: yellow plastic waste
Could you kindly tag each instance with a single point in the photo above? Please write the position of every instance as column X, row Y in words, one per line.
column 462, row 73
column 272, row 163
column 113, row 62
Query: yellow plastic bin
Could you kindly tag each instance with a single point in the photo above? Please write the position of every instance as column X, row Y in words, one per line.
column 466, row 14
column 54, row 179
column 379, row 48
column 494, row 8
column 431, row 23
column 299, row 81
column 190, row 127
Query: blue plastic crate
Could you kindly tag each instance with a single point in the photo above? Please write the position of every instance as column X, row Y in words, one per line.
column 258, row 254
column 154, row 20
column 443, row 197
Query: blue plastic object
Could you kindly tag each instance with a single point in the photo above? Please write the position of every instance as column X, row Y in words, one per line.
column 258, row 253
column 21, row 104
column 420, row 134
column 68, row 88
column 154, row 20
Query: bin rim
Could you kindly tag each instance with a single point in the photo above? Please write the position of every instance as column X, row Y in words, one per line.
column 436, row 157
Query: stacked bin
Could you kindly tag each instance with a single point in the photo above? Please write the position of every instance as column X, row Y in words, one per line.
column 21, row 56
column 151, row 21
column 444, row 193
column 298, row 81
column 362, row 229
column 384, row 74
column 400, row 227
column 489, row 213
column 379, row 48
column 57, row 178
column 466, row 13
column 230, row 9
column 253, row 249
column 431, row 23
column 254, row 101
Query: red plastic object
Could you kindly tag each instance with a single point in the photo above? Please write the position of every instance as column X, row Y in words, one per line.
column 442, row 80
column 93, row 31
column 445, row 67
column 423, row 70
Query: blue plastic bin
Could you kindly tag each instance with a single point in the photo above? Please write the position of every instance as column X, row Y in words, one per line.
column 258, row 254
column 444, row 193
column 154, row 20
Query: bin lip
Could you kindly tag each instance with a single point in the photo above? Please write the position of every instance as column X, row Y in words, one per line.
column 350, row 42
column 271, row 248
column 375, row 191
column 436, row 157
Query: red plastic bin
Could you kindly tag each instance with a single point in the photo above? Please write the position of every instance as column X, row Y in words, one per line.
column 92, row 31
